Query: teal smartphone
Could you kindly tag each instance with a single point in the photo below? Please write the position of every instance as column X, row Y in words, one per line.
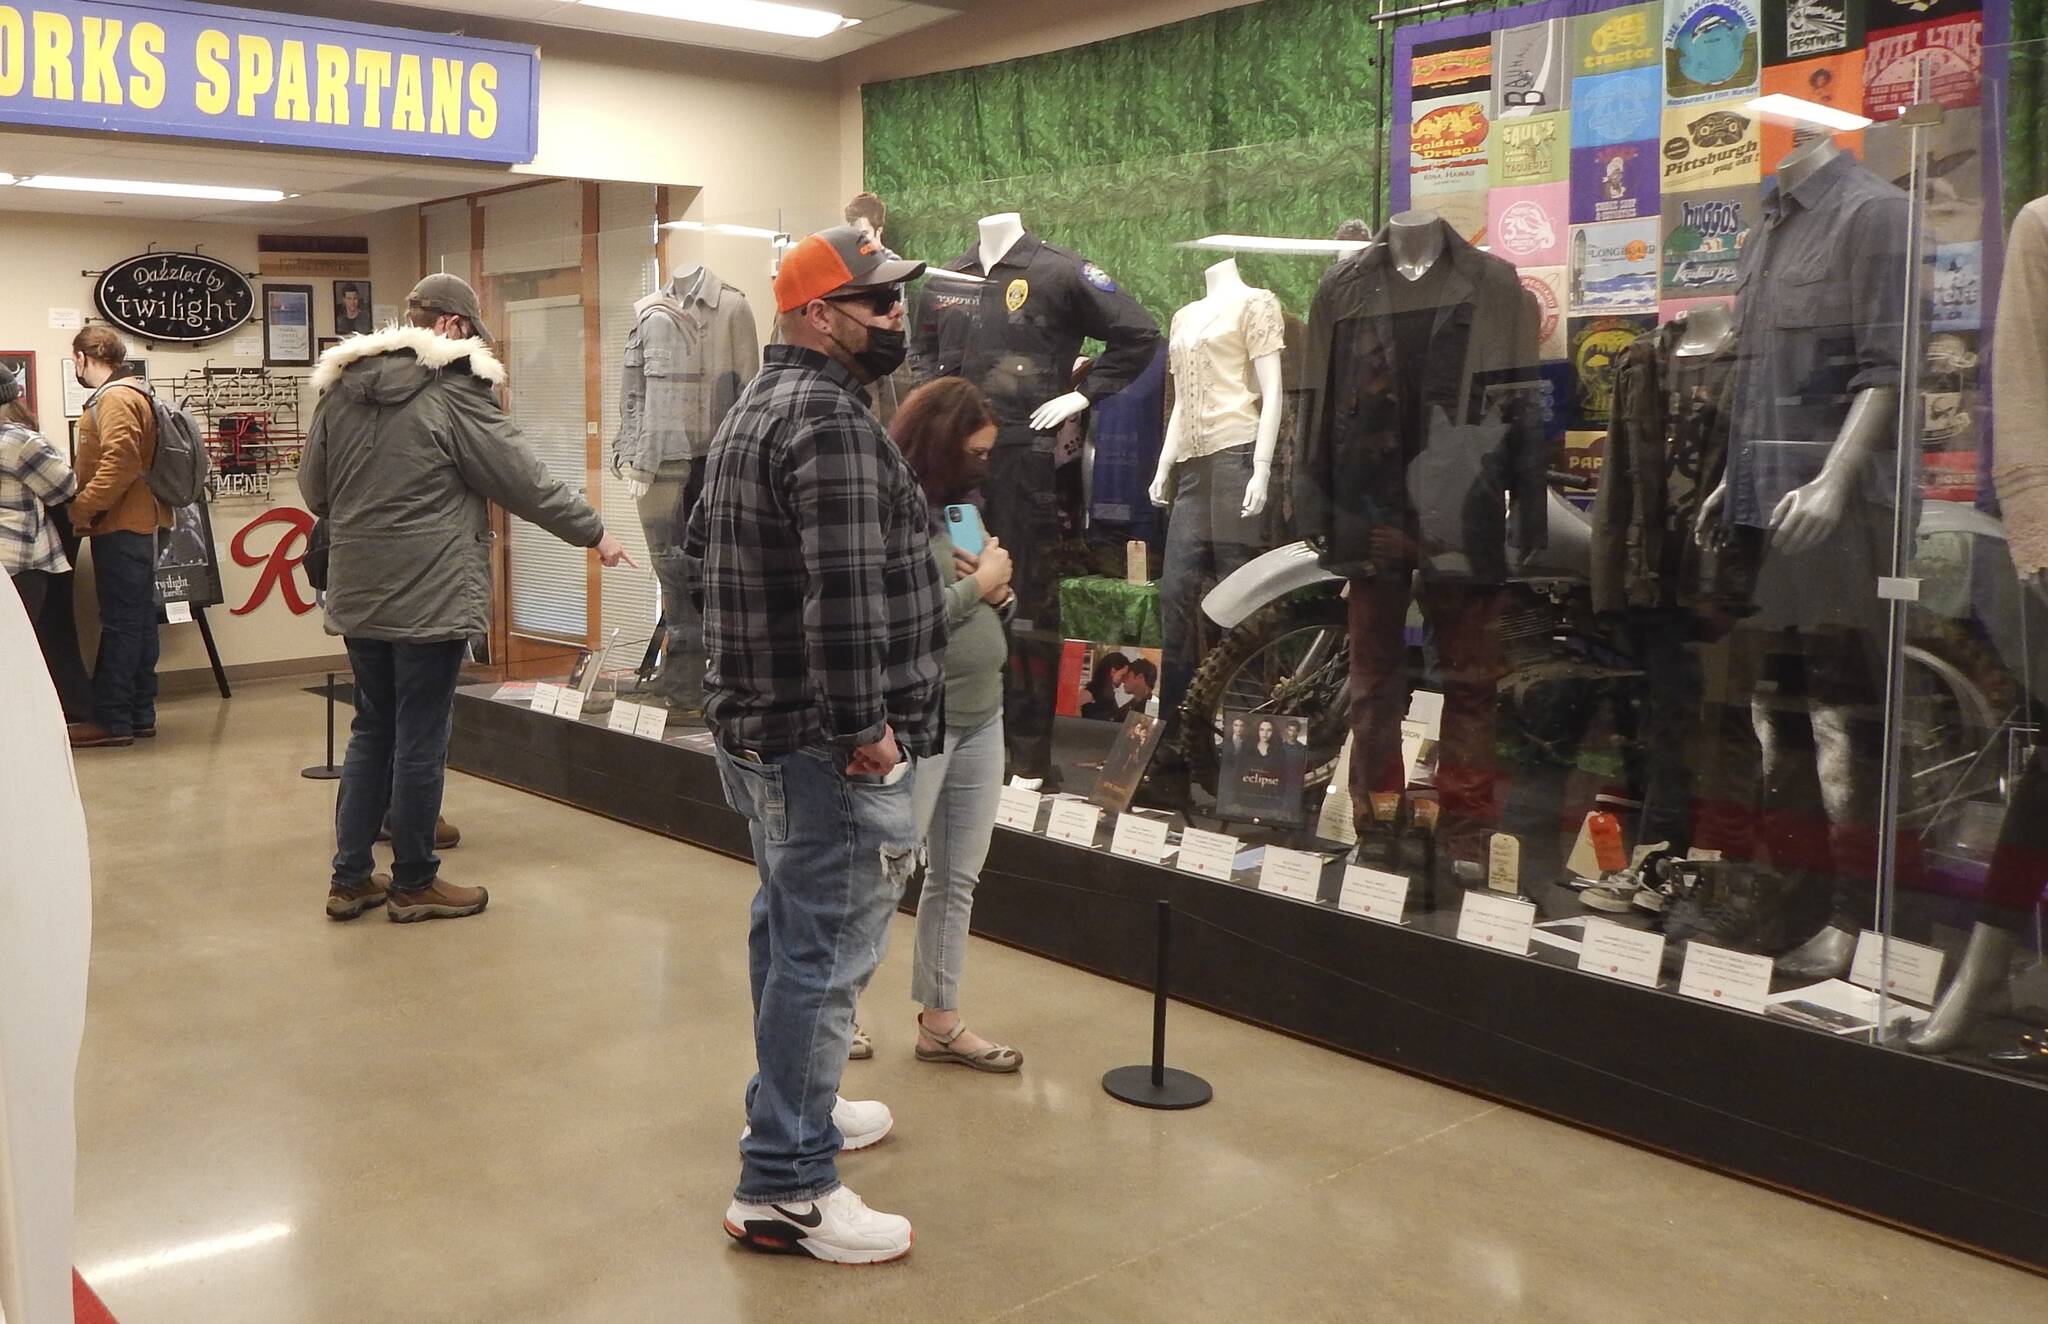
column 963, row 525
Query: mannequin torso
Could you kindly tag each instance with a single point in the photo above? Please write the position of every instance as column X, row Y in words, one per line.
column 1415, row 242
column 1222, row 312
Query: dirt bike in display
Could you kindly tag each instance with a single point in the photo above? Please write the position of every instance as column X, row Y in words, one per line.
column 1285, row 649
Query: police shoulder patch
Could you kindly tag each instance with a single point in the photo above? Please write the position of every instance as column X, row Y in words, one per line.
column 1097, row 277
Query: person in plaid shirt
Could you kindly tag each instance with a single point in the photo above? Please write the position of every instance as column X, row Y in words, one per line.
column 825, row 624
column 33, row 477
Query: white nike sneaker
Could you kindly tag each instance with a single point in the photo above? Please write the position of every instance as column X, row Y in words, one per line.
column 861, row 1122
column 840, row 1229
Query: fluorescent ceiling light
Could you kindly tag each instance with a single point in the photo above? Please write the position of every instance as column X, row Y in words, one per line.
column 6, row 179
column 186, row 1252
column 1778, row 105
column 752, row 15
column 150, row 189
column 1265, row 243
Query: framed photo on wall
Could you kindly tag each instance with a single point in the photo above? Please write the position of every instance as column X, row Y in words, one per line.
column 287, row 326
column 23, row 364
column 352, row 314
column 328, row 342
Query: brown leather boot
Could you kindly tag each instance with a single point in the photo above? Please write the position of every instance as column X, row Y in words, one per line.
column 91, row 735
column 440, row 899
column 349, row 902
column 446, row 835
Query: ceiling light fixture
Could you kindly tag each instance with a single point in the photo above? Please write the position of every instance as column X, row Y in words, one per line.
column 151, row 189
column 6, row 179
column 1263, row 243
column 1779, row 105
column 752, row 15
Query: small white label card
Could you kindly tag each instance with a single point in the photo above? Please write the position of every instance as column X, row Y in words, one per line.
column 1728, row 979
column 1504, row 863
column 1374, row 893
column 1915, row 970
column 624, row 717
column 652, row 724
column 1139, row 838
column 570, row 704
column 1212, row 855
column 66, row 319
column 1073, row 821
column 1500, row 922
column 177, row 613
column 1622, row 953
column 546, row 697
column 1018, row 808
column 1295, row 873
column 1337, row 821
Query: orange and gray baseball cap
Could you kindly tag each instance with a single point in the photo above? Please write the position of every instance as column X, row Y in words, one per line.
column 445, row 293
column 841, row 258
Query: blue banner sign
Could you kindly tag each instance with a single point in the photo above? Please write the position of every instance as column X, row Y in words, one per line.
column 200, row 71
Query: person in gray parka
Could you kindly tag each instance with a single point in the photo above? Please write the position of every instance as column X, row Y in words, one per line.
column 407, row 450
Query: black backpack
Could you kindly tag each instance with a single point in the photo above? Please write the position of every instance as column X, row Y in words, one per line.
column 177, row 476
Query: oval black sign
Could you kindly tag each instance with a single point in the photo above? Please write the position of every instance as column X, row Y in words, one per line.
column 174, row 296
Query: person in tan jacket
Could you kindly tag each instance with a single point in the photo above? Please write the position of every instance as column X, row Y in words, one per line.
column 118, row 512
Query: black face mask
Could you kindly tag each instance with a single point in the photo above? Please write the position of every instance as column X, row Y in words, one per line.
column 884, row 354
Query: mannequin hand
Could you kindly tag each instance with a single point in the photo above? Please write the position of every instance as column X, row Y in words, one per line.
column 1055, row 412
column 638, row 488
column 1158, row 491
column 1255, row 490
column 1706, row 530
column 1807, row 515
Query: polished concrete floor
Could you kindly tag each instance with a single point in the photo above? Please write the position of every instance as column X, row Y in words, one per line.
column 531, row 1115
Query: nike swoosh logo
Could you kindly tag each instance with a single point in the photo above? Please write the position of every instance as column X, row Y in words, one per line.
column 811, row 1220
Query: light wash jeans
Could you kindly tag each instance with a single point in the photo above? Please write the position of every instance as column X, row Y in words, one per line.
column 956, row 797
column 833, row 852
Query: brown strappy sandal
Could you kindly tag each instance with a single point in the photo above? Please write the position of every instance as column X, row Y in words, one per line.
column 996, row 1059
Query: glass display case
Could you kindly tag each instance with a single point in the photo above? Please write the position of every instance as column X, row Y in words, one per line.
column 1622, row 557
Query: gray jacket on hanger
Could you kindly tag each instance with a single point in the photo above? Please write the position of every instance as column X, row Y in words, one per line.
column 692, row 347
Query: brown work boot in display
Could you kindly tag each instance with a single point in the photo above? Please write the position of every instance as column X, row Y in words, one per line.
column 349, row 902
column 440, row 899
column 446, row 835
column 91, row 735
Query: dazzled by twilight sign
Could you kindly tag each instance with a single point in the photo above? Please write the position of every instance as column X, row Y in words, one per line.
column 174, row 296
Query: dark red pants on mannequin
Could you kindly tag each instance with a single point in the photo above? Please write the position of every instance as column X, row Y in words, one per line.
column 1463, row 618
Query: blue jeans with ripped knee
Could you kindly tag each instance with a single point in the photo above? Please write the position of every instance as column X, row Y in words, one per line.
column 833, row 851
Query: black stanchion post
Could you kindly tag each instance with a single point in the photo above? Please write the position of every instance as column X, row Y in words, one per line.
column 1159, row 1085
column 328, row 771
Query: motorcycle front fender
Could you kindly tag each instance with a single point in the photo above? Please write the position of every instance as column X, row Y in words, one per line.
column 1264, row 579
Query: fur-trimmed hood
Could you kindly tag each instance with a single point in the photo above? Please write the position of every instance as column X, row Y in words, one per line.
column 431, row 351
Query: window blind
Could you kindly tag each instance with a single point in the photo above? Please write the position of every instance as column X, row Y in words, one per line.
column 543, row 346
column 534, row 229
column 627, row 272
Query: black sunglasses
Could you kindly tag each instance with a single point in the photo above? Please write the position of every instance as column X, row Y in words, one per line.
column 882, row 301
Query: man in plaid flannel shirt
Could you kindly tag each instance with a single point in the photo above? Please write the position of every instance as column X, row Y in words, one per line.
column 825, row 624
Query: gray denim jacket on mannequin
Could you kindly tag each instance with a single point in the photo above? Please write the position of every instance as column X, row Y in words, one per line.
column 692, row 347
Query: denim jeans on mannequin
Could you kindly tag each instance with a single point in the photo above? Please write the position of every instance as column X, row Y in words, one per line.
column 124, row 676
column 1207, row 539
column 833, row 852
column 1019, row 507
column 397, row 761
column 664, row 515
column 957, row 794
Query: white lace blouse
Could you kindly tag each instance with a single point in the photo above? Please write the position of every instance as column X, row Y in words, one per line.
column 1210, row 350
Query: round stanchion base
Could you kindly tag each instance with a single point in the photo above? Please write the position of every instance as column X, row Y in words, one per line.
column 1181, row 1089
column 321, row 772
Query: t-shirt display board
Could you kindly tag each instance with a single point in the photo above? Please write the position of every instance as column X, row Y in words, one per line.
column 1612, row 151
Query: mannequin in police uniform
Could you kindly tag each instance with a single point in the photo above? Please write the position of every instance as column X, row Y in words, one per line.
column 1016, row 334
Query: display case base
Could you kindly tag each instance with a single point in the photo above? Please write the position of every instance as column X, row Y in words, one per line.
column 1927, row 1145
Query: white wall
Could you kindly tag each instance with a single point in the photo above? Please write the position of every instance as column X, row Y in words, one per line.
column 63, row 247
